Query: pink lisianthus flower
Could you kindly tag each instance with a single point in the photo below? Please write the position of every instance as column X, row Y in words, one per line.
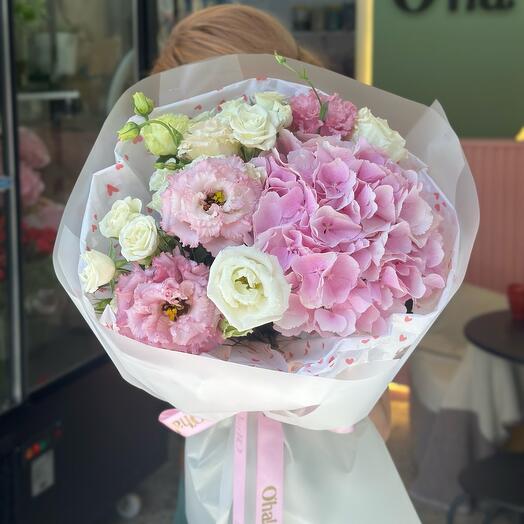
column 211, row 202
column 166, row 305
column 339, row 119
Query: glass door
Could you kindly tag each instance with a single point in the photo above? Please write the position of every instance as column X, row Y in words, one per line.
column 4, row 307
column 73, row 59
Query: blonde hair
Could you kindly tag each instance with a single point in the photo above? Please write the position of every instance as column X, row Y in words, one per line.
column 228, row 29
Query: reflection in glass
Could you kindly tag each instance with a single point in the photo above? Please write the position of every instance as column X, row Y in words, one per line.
column 4, row 318
column 71, row 56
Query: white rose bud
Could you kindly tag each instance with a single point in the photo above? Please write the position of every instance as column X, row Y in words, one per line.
column 276, row 105
column 379, row 135
column 139, row 238
column 248, row 287
column 99, row 269
column 253, row 127
column 208, row 138
column 122, row 212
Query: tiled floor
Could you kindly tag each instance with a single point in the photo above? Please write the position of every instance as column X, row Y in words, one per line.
column 158, row 493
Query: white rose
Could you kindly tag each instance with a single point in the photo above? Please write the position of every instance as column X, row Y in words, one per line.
column 139, row 238
column 378, row 134
column 211, row 137
column 99, row 269
column 122, row 211
column 229, row 108
column 276, row 104
column 248, row 287
column 253, row 127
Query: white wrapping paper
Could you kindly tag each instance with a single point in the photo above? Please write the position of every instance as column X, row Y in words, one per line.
column 334, row 396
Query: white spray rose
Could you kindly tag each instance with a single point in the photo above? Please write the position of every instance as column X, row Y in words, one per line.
column 98, row 270
column 248, row 287
column 276, row 105
column 378, row 134
column 253, row 127
column 210, row 137
column 229, row 108
column 122, row 211
column 139, row 238
column 158, row 184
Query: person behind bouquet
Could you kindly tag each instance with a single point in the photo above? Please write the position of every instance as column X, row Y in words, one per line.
column 231, row 29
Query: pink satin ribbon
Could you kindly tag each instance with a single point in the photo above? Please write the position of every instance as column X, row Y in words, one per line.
column 270, row 462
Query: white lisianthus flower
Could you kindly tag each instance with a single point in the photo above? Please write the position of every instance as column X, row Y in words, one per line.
column 122, row 212
column 248, row 287
column 99, row 269
column 253, row 127
column 277, row 106
column 210, row 137
column 378, row 134
column 139, row 238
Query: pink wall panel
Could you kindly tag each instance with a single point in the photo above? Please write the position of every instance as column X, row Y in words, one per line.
column 498, row 255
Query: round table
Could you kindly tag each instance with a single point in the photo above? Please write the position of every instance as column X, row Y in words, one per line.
column 499, row 334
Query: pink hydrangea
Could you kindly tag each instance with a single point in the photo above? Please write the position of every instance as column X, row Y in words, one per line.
column 211, row 202
column 353, row 232
column 166, row 305
column 339, row 119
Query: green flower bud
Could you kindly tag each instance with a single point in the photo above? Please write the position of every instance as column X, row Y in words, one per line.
column 163, row 134
column 129, row 131
column 228, row 331
column 143, row 104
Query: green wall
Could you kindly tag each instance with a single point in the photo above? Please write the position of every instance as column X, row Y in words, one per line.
column 471, row 61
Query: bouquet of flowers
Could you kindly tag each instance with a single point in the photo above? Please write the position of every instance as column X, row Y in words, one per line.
column 278, row 225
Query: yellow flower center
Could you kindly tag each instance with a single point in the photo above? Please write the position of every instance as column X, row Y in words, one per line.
column 218, row 197
column 173, row 311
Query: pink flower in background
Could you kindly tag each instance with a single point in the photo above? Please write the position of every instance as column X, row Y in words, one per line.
column 352, row 231
column 31, row 185
column 339, row 120
column 32, row 149
column 211, row 202
column 166, row 305
column 46, row 214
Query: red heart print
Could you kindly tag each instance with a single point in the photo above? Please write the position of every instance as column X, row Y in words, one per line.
column 93, row 227
column 126, row 157
column 436, row 196
column 444, row 204
column 198, row 107
column 331, row 359
column 437, row 207
column 350, row 361
column 321, row 360
column 365, row 341
column 402, row 338
column 119, row 166
column 138, row 139
column 111, row 189
column 407, row 318
column 95, row 216
column 261, row 78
